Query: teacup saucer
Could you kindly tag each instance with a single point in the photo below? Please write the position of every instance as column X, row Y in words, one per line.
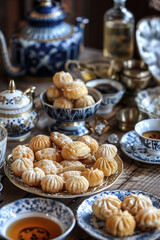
column 133, row 148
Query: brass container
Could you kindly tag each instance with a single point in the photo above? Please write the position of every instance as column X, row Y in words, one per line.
column 93, row 70
column 128, row 117
column 135, row 75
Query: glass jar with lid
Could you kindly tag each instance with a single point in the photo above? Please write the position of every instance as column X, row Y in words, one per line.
column 118, row 42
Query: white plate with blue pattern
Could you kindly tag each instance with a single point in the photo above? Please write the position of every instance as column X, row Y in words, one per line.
column 133, row 148
column 96, row 228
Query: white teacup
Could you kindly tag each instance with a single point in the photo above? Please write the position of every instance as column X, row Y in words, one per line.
column 3, row 144
column 149, row 125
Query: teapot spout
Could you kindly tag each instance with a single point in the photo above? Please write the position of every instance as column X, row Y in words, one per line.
column 8, row 67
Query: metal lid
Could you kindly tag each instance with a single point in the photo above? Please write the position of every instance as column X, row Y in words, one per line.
column 13, row 98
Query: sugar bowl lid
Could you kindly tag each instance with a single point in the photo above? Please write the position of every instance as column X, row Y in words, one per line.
column 13, row 98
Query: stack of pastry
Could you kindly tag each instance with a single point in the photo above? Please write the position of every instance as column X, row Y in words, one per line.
column 67, row 93
column 57, row 163
column 135, row 211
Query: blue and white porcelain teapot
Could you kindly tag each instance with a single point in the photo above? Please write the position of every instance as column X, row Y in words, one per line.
column 44, row 45
column 18, row 113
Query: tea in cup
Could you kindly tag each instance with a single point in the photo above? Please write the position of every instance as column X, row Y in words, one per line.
column 149, row 134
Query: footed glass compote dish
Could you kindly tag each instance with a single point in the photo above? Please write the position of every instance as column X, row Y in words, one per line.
column 71, row 121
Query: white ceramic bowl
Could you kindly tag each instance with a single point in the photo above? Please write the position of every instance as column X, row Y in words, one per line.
column 3, row 144
column 111, row 99
column 37, row 207
column 152, row 145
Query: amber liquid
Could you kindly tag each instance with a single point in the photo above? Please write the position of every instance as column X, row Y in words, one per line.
column 152, row 134
column 118, row 40
column 32, row 227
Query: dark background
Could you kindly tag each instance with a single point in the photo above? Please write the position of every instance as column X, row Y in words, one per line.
column 13, row 15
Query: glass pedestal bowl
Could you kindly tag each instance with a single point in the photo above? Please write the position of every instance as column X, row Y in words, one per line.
column 71, row 121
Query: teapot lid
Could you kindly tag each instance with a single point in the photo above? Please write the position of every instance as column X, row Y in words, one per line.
column 13, row 98
column 46, row 14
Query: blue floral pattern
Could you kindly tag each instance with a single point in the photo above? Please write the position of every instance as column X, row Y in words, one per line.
column 96, row 228
column 132, row 147
column 38, row 205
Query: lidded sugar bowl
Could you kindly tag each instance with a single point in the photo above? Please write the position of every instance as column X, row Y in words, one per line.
column 17, row 112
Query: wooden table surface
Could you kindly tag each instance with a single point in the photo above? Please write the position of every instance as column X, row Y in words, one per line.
column 136, row 175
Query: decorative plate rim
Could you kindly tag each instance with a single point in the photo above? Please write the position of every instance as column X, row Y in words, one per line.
column 17, row 181
column 97, row 235
column 133, row 157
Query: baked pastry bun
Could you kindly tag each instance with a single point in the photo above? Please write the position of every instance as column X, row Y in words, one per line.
column 105, row 206
column 40, row 142
column 107, row 165
column 90, row 142
column 78, row 184
column 20, row 165
column 53, row 154
column 72, row 166
column 75, row 150
column 62, row 102
column 21, row 151
column 94, row 176
column 47, row 166
column 60, row 79
column 75, row 90
column 121, row 224
column 69, row 174
column 89, row 161
column 33, row 176
column 148, row 219
column 60, row 139
column 84, row 101
column 52, row 184
column 134, row 203
column 52, row 93
column 106, row 150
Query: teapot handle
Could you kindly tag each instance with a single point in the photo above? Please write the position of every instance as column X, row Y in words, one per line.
column 30, row 90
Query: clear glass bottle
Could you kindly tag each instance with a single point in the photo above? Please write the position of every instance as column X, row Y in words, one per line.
column 118, row 42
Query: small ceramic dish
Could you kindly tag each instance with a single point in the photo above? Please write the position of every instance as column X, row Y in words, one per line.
column 71, row 121
column 149, row 125
column 48, row 209
column 135, row 74
column 112, row 92
column 128, row 117
column 148, row 101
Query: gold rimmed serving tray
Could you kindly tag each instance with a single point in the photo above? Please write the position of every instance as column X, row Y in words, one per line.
column 17, row 181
